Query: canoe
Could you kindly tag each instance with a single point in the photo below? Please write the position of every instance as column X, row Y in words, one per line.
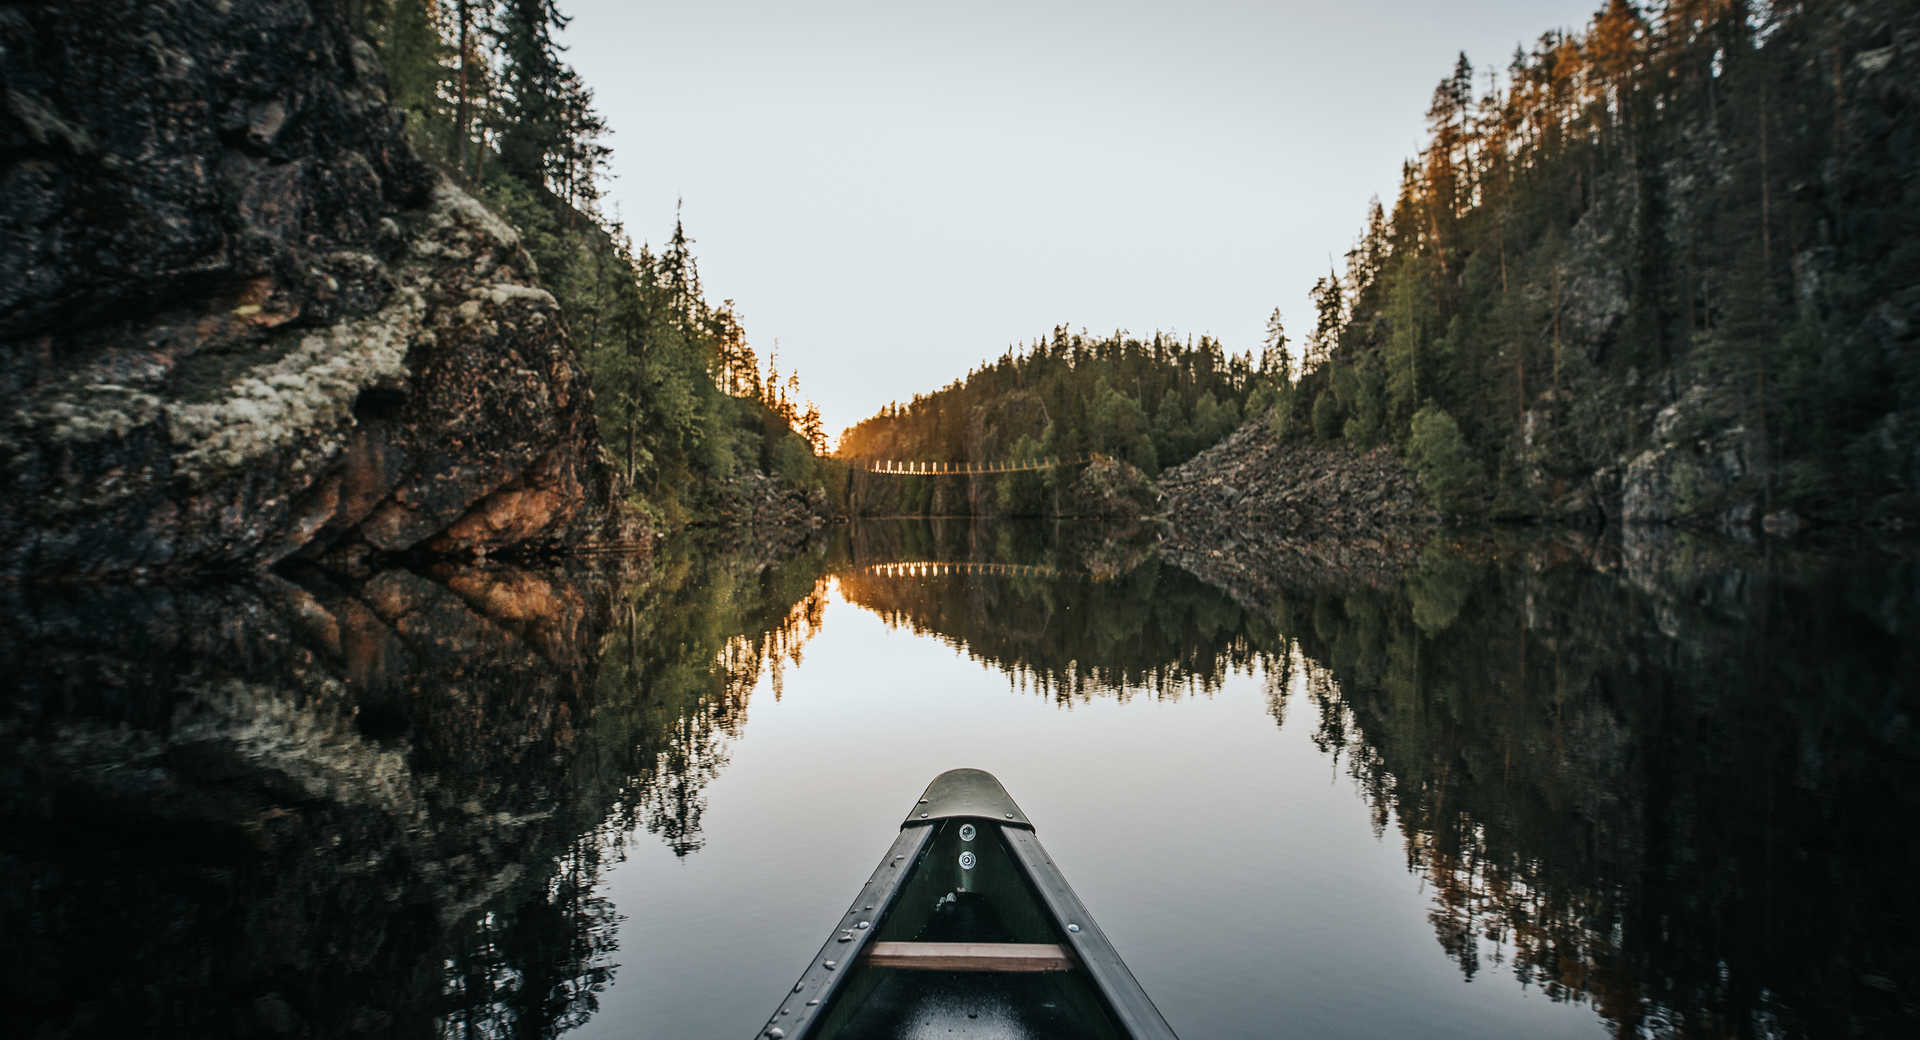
column 966, row 929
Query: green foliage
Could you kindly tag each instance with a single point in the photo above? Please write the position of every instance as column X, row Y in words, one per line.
column 679, row 397
column 415, row 62
column 1152, row 403
column 1449, row 473
column 1279, row 416
column 1326, row 416
column 1700, row 199
column 1358, row 389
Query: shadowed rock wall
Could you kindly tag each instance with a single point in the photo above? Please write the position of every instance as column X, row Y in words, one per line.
column 242, row 320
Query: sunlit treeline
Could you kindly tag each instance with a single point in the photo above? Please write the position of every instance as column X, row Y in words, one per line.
column 1691, row 201
column 1153, row 401
column 681, row 398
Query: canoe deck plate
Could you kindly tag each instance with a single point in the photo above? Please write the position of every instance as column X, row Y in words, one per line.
column 967, row 794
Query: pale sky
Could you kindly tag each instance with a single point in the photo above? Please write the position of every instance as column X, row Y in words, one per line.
column 898, row 191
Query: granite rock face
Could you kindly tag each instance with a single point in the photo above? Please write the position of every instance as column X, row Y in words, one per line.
column 242, row 320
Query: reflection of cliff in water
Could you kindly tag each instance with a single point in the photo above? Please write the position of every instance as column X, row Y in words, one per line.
column 1053, row 607
column 1669, row 784
column 292, row 806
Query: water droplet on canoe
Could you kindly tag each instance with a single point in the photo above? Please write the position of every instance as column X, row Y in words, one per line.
column 1009, row 816
column 846, row 936
column 923, row 816
column 797, row 985
column 923, row 801
column 1073, row 927
column 830, row 964
column 869, row 906
column 776, row 1032
column 812, row 1002
column 863, row 924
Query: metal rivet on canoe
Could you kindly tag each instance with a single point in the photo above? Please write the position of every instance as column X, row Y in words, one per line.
column 923, row 816
column 1009, row 816
column 830, row 964
column 923, row 801
column 1072, row 927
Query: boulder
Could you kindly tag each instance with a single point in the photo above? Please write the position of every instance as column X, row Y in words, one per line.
column 1109, row 487
column 1694, row 473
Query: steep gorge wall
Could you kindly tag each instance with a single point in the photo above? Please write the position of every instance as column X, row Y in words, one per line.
column 243, row 320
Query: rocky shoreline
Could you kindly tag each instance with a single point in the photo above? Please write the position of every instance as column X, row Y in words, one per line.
column 1253, row 503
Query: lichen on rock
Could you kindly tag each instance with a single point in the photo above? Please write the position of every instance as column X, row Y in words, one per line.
column 299, row 339
column 304, row 394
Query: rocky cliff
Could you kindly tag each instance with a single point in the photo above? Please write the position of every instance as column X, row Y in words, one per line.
column 242, row 320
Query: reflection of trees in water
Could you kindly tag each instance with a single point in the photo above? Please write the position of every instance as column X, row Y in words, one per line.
column 1154, row 630
column 684, row 650
column 1080, row 615
column 677, row 673
column 535, row 966
column 1673, row 796
column 1673, row 787
column 1651, row 779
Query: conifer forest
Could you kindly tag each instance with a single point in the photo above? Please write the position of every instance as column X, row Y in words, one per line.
column 1374, row 519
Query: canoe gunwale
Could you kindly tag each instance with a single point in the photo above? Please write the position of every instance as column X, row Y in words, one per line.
column 1090, row 945
column 796, row 1015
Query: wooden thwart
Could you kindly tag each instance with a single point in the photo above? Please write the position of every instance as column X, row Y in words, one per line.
column 966, row 956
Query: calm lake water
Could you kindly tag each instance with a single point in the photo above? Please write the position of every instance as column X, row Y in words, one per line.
column 1519, row 787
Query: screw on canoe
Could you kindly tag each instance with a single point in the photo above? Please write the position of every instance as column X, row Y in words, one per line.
column 967, row 926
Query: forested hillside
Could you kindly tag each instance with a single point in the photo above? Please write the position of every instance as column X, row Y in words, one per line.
column 1152, row 402
column 1664, row 269
column 683, row 402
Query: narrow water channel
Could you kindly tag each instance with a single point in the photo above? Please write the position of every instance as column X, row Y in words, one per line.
column 1512, row 788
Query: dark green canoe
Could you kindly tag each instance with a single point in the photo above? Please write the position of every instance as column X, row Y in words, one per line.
column 966, row 929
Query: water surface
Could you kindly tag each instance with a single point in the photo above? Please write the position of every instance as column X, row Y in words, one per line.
column 1540, row 788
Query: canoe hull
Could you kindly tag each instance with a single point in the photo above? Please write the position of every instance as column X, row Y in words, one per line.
column 967, row 928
